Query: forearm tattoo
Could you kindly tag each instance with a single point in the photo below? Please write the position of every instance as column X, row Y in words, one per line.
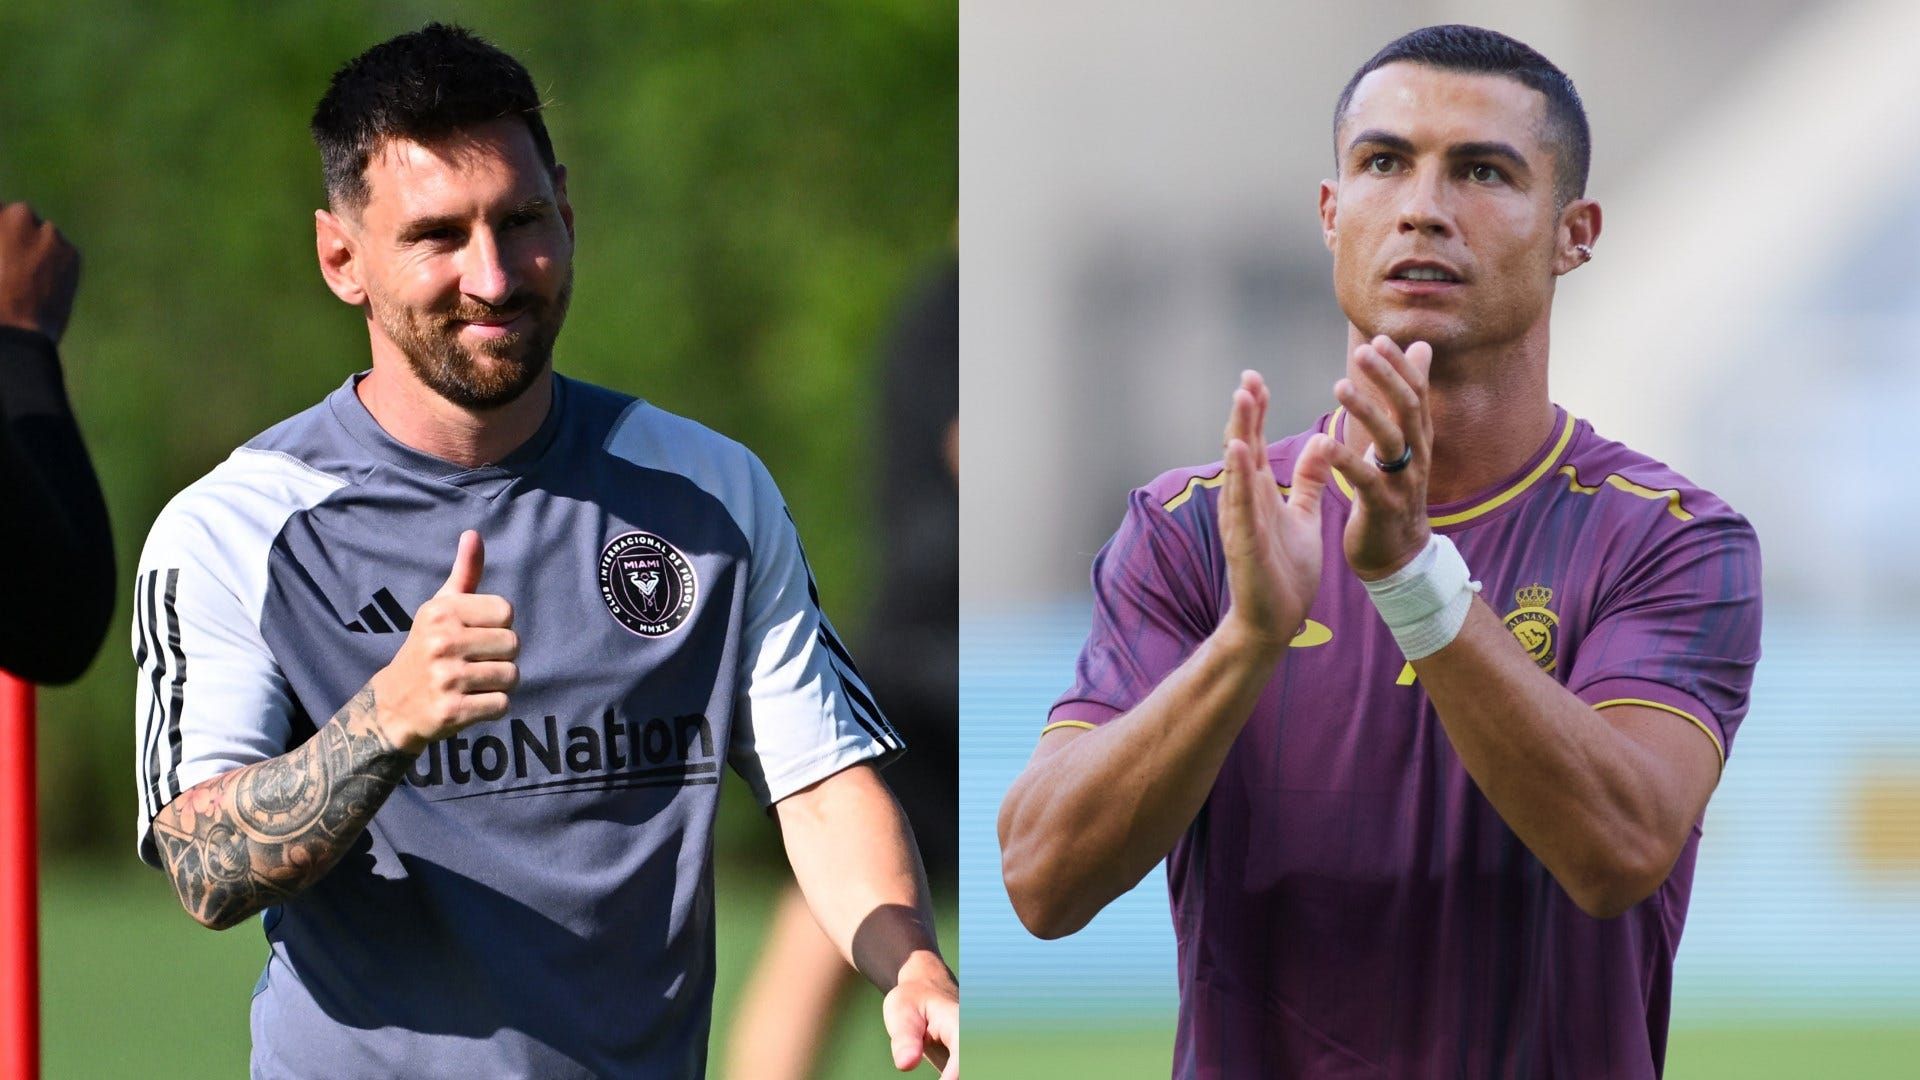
column 255, row 836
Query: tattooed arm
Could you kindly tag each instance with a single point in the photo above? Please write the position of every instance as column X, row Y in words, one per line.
column 253, row 837
column 250, row 838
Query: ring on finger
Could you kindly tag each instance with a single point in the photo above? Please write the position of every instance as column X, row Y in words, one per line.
column 1394, row 466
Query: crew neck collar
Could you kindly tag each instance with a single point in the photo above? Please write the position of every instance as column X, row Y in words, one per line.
column 352, row 414
column 1471, row 510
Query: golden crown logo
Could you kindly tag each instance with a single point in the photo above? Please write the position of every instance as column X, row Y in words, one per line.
column 1534, row 625
column 1534, row 596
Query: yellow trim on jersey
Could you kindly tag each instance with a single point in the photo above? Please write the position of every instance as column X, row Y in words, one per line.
column 1066, row 723
column 1194, row 485
column 1213, row 481
column 1717, row 748
column 1615, row 480
column 1333, row 432
column 1493, row 502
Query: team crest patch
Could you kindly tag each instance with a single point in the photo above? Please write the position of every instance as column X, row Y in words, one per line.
column 1534, row 625
column 647, row 584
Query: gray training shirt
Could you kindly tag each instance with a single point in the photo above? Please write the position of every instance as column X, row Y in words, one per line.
column 536, row 899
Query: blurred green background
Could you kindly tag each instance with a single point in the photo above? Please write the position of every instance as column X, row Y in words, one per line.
column 755, row 186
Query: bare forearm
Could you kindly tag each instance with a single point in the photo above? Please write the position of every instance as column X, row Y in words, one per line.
column 1585, row 798
column 855, row 860
column 1087, row 821
column 870, row 897
column 250, row 838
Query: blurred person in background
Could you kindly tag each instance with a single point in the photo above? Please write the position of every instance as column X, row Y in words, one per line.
column 1430, row 805
column 912, row 662
column 447, row 888
column 56, row 591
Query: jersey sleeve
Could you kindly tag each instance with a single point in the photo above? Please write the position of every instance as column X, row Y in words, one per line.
column 803, row 712
column 209, row 696
column 1152, row 607
column 1680, row 631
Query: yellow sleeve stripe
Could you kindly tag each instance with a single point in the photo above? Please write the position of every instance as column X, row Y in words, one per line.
column 1220, row 478
column 1717, row 748
column 1334, row 430
column 1615, row 480
column 1066, row 723
column 1193, row 485
column 1492, row 502
column 1213, row 481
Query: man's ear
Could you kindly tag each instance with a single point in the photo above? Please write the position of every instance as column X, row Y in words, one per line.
column 1579, row 231
column 333, row 243
column 1329, row 210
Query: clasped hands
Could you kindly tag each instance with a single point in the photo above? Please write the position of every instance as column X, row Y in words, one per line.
column 1272, row 536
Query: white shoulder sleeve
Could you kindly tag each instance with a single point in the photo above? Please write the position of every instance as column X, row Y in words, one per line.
column 801, row 712
column 804, row 713
column 209, row 697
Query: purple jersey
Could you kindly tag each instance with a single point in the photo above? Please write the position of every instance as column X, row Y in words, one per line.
column 1347, row 903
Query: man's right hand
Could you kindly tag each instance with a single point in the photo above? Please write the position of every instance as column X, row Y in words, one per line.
column 457, row 665
column 1272, row 545
column 39, row 272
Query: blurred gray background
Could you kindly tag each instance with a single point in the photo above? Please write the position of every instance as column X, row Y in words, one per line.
column 1138, row 187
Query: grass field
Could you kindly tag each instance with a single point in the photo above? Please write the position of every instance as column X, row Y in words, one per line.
column 116, row 948
column 1774, row 1052
column 132, row 988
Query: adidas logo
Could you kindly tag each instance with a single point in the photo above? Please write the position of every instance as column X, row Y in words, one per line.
column 383, row 616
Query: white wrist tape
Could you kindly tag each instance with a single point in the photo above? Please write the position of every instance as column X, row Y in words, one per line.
column 1425, row 602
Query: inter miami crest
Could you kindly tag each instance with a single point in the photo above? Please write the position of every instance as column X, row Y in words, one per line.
column 647, row 584
column 1534, row 625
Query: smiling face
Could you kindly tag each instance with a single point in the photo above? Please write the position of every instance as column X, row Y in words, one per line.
column 463, row 256
column 1444, row 225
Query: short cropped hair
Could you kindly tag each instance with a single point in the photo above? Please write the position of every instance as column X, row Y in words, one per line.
column 420, row 86
column 1473, row 49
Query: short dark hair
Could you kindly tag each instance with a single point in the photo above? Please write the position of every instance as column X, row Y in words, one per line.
column 421, row 86
column 1470, row 48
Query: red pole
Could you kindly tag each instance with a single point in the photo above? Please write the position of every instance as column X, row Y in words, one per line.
column 19, row 886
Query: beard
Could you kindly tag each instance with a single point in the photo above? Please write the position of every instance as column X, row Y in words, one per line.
column 490, row 373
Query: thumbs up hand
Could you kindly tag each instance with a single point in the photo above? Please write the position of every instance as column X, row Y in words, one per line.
column 457, row 665
column 469, row 560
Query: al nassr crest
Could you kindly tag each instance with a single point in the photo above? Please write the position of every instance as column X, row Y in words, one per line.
column 1535, row 626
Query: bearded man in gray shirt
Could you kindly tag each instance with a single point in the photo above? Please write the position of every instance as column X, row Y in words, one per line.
column 493, row 858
